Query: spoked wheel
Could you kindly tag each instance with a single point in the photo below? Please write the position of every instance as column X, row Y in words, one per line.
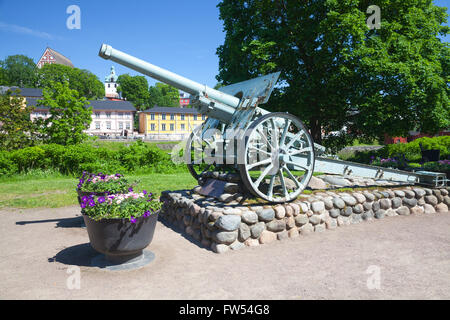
column 194, row 153
column 278, row 159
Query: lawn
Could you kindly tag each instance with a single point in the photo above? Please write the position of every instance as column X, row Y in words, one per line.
column 55, row 191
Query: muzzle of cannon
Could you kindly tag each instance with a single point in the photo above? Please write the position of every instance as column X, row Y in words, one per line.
column 272, row 152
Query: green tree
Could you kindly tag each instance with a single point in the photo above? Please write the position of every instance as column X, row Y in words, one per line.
column 18, row 70
column 3, row 79
column 164, row 95
column 16, row 128
column 86, row 83
column 134, row 89
column 337, row 72
column 70, row 115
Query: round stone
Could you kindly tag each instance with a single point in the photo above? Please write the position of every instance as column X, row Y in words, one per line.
column 296, row 208
column 379, row 214
column 441, row 207
column 320, row 227
column 289, row 210
column 229, row 222
column 280, row 212
column 346, row 212
column 334, row 213
column 428, row 192
column 276, row 225
column 251, row 242
column 369, row 196
column 219, row 248
column 301, row 220
column 419, row 192
column 293, row 233
column 244, row 232
column 282, row 235
column 267, row 237
column 410, row 202
column 290, row 222
column 328, row 203
column 257, row 229
column 444, row 192
column 307, row 228
column 317, row 206
column 367, row 206
column 266, row 214
column 403, row 211
column 446, row 201
column 375, row 206
column 428, row 208
column 225, row 237
column 385, row 204
column 431, row 200
column 399, row 193
column 358, row 209
column 338, row 203
column 315, row 219
column 349, row 200
column 359, row 197
column 249, row 217
column 367, row 215
column 416, row 210
column 237, row 245
column 396, row 202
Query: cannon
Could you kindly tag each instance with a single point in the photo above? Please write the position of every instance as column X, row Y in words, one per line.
column 272, row 152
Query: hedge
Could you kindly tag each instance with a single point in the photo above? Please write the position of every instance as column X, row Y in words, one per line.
column 73, row 160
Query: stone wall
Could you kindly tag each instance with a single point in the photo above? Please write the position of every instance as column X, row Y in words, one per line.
column 221, row 227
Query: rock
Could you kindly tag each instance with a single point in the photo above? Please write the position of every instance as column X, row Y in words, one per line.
column 290, row 222
column 431, row 200
column 367, row 215
column 441, row 207
column 225, row 237
column 338, row 203
column 257, row 229
column 237, row 245
column 226, row 197
column 444, row 192
column 349, row 200
column 231, row 188
column 317, row 183
column 315, row 219
column 289, row 210
column 302, row 207
column 231, row 211
column 369, row 196
column 379, row 214
column 358, row 209
column 206, row 243
column 317, row 206
column 267, row 237
column 403, row 211
column 266, row 214
column 301, row 220
column 229, row 222
column 399, row 193
column 446, row 201
column 385, row 204
column 331, row 224
column 307, row 228
column 249, row 217
column 417, row 210
column 328, row 203
column 280, row 212
column 251, row 242
column 428, row 192
column 276, row 225
column 428, row 208
column 396, row 202
column 419, row 193
column 376, row 206
column 219, row 248
column 436, row 192
column 282, row 235
column 367, row 206
column 296, row 208
column 356, row 218
column 421, row 201
column 343, row 221
column 346, row 212
column 293, row 233
column 390, row 213
column 336, row 181
column 359, row 197
column 244, row 232
column 410, row 202
column 334, row 213
column 320, row 227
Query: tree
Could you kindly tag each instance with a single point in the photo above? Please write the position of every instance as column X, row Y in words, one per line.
column 16, row 128
column 86, row 83
column 134, row 89
column 164, row 95
column 3, row 79
column 18, row 70
column 70, row 115
column 337, row 72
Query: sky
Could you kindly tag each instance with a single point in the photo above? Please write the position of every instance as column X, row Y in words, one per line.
column 179, row 35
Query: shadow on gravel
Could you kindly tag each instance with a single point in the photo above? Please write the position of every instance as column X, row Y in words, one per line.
column 79, row 255
column 76, row 222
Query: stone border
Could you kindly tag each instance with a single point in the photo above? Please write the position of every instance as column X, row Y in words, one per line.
column 222, row 227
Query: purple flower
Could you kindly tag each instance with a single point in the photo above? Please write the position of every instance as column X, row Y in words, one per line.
column 144, row 191
column 130, row 189
column 84, row 199
column 132, row 219
column 146, row 214
column 91, row 203
column 101, row 199
column 118, row 175
column 83, row 205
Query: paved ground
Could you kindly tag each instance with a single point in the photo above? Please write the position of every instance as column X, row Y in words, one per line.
column 411, row 255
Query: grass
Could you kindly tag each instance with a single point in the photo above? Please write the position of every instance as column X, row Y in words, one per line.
column 52, row 190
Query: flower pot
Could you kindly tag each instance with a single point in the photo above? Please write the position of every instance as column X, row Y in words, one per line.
column 430, row 155
column 119, row 239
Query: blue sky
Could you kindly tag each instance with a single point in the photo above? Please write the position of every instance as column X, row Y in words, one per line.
column 179, row 35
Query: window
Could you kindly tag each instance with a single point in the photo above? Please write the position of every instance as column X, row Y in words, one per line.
column 182, row 126
column 203, row 117
column 152, row 116
column 195, row 117
column 108, row 125
column 128, row 126
column 109, row 86
column 120, row 125
column 163, row 127
column 172, row 116
column 97, row 125
column 120, row 114
column 152, row 127
column 97, row 114
column 108, row 114
column 182, row 117
column 171, row 127
column 163, row 116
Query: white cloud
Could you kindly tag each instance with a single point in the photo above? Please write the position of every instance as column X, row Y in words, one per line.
column 27, row 31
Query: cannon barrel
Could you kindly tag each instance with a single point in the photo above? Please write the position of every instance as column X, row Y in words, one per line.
column 177, row 81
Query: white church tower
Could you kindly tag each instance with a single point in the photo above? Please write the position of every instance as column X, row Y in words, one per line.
column 111, row 85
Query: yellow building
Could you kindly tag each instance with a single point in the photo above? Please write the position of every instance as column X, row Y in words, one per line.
column 168, row 123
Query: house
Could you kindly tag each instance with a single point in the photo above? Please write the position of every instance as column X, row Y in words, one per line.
column 51, row 56
column 169, row 123
column 109, row 117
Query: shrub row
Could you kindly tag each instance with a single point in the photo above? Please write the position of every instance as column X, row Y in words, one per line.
column 410, row 150
column 135, row 158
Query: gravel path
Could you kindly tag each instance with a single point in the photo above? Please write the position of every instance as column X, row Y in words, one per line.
column 411, row 255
